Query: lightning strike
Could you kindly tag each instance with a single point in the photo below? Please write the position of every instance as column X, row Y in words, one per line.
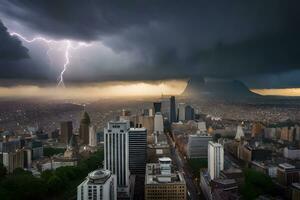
column 66, row 52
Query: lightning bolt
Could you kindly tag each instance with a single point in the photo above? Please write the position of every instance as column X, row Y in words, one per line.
column 68, row 47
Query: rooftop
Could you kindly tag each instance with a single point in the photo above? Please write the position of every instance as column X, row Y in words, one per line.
column 153, row 176
column 99, row 176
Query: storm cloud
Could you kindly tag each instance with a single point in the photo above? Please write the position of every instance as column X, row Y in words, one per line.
column 172, row 39
column 10, row 47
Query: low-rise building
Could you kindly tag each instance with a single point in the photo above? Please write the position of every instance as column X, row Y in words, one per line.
column 161, row 182
column 287, row 174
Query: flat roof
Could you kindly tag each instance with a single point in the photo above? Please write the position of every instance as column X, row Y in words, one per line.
column 165, row 159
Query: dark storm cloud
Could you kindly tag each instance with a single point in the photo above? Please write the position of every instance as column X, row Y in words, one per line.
column 176, row 38
column 10, row 47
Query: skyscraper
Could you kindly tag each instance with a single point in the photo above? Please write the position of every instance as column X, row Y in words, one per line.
column 172, row 110
column 181, row 111
column 189, row 113
column 157, row 107
column 116, row 156
column 84, row 128
column 66, row 131
column 92, row 136
column 215, row 159
column 100, row 184
column 137, row 150
column 158, row 125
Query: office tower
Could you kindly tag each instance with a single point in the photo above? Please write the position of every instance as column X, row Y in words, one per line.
column 197, row 145
column 116, row 155
column 215, row 159
column 66, row 131
column 172, row 110
column 181, row 111
column 84, row 128
column 92, row 136
column 137, row 150
column 99, row 185
column 158, row 125
column 162, row 183
column 189, row 113
column 239, row 133
column 157, row 107
column 13, row 160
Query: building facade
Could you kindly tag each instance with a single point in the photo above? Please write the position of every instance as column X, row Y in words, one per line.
column 215, row 159
column 116, row 153
column 197, row 145
column 161, row 183
column 66, row 131
column 137, row 150
column 99, row 185
column 172, row 110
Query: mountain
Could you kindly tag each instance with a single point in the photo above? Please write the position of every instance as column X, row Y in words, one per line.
column 218, row 88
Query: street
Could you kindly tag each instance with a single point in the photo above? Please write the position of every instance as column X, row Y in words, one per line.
column 192, row 192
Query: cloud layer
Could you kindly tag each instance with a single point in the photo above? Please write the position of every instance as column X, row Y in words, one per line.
column 170, row 39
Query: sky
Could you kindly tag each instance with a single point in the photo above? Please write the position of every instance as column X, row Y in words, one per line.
column 254, row 41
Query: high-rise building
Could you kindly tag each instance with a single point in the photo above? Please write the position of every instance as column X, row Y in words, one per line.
column 137, row 150
column 239, row 133
column 215, row 159
column 189, row 113
column 158, row 125
column 84, row 128
column 162, row 183
column 99, row 185
column 116, row 155
column 181, row 111
column 197, row 145
column 157, row 107
column 13, row 160
column 172, row 109
column 66, row 131
column 92, row 136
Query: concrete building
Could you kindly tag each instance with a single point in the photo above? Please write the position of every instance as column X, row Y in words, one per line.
column 66, row 131
column 162, row 183
column 116, row 154
column 197, row 145
column 189, row 113
column 84, row 128
column 172, row 110
column 158, row 126
column 181, row 111
column 239, row 133
column 287, row 174
column 215, row 159
column 99, row 185
column 295, row 191
column 291, row 153
column 92, row 136
column 16, row 159
column 137, row 150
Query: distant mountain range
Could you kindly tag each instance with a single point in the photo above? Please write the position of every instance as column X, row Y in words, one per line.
column 218, row 88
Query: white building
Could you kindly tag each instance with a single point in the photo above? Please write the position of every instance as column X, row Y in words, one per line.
column 291, row 153
column 116, row 153
column 215, row 159
column 100, row 184
column 239, row 133
column 158, row 125
column 181, row 111
column 92, row 136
